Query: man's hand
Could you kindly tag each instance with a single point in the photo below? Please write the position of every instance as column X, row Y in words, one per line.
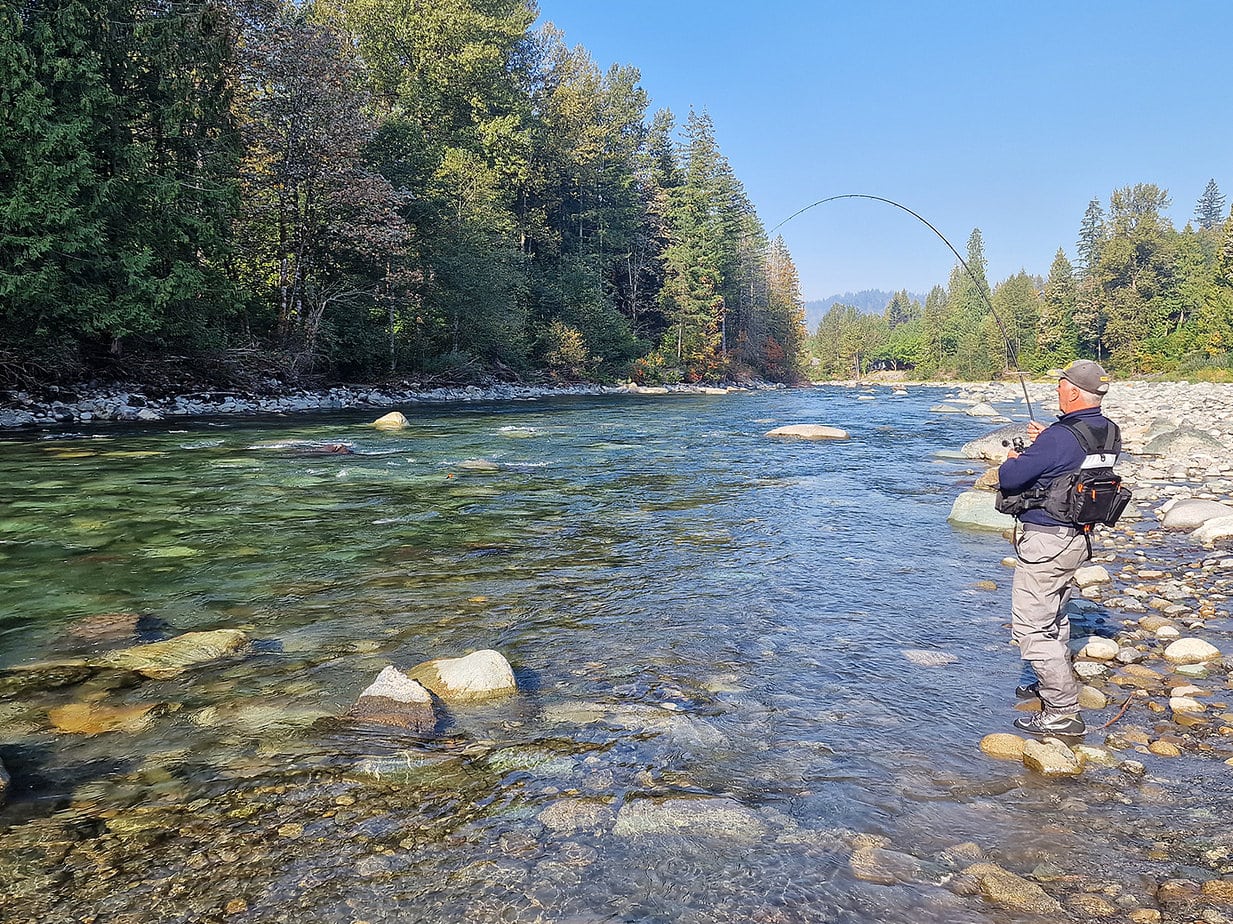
column 1034, row 429
column 1011, row 454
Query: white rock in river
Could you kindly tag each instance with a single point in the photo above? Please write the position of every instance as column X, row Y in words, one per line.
column 478, row 675
column 1193, row 512
column 1209, row 532
column 1091, row 575
column 394, row 420
column 1186, row 704
column 982, row 410
column 1102, row 649
column 809, row 432
column 975, row 510
column 1191, row 651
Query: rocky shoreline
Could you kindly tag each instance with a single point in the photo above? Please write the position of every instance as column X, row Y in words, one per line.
column 64, row 407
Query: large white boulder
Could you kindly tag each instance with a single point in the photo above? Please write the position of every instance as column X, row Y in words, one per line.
column 1193, row 512
column 478, row 675
column 1191, row 651
column 1212, row 530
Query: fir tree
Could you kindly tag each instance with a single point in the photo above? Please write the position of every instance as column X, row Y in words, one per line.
column 1209, row 212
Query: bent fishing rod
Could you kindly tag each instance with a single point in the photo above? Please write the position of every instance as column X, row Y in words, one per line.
column 1010, row 347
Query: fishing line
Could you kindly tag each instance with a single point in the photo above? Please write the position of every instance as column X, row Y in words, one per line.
column 1014, row 354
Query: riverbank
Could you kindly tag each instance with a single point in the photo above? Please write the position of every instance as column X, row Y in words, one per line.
column 63, row 407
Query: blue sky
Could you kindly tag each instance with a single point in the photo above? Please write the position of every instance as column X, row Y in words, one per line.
column 1005, row 116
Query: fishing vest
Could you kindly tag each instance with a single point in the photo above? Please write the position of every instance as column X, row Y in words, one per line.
column 1091, row 494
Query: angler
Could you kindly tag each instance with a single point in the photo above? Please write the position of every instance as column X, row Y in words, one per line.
column 1058, row 488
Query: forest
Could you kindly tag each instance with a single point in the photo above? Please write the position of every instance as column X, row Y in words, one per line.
column 1142, row 297
column 355, row 189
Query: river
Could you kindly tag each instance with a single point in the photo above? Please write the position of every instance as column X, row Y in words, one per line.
column 697, row 616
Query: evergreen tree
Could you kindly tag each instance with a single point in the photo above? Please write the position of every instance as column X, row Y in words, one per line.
column 1091, row 237
column 1057, row 337
column 931, row 352
column 1209, row 212
column 1136, row 273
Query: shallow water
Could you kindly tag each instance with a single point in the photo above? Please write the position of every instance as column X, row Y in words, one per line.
column 692, row 610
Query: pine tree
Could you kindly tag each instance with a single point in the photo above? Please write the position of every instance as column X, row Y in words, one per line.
column 1091, row 237
column 1057, row 337
column 1209, row 212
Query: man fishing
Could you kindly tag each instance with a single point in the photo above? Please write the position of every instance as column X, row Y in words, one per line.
column 1053, row 545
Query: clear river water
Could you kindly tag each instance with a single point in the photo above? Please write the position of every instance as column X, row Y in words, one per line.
column 705, row 623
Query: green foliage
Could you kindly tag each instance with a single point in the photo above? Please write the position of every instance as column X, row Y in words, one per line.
column 366, row 187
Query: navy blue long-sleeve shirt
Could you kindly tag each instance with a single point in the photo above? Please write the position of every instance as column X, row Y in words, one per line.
column 1054, row 452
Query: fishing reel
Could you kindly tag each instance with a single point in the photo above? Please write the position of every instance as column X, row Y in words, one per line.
column 1016, row 444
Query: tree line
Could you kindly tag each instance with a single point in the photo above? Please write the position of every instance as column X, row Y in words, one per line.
column 1141, row 297
column 361, row 188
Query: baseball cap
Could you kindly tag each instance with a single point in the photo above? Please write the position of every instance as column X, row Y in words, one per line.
column 1088, row 375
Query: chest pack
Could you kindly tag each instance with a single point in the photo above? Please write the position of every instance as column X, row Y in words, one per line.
column 1091, row 495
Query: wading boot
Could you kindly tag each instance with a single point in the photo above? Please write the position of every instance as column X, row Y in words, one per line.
column 1053, row 723
column 1028, row 690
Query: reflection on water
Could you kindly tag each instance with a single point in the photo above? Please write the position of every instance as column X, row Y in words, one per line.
column 709, row 630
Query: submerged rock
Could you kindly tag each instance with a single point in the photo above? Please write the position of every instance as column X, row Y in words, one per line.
column 45, row 675
column 718, row 818
column 1004, row 888
column 882, row 866
column 809, row 432
column 96, row 718
column 924, row 658
column 170, row 658
column 975, row 510
column 478, row 675
column 568, row 816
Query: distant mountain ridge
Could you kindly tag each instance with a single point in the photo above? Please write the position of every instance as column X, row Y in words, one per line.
column 870, row 301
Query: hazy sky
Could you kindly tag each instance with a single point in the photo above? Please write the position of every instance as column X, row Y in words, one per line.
column 1005, row 116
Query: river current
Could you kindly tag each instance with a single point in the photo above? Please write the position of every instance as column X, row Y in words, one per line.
column 786, row 634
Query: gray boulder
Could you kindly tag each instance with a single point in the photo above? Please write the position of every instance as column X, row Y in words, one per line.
column 1193, row 512
column 990, row 446
column 975, row 510
column 1182, row 442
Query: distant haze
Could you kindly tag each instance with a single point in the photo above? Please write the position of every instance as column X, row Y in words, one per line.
column 870, row 301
